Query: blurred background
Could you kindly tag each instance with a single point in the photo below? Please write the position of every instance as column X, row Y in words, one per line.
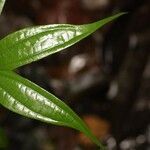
column 105, row 78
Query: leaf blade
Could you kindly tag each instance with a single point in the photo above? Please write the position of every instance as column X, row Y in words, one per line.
column 24, row 97
column 2, row 2
column 32, row 44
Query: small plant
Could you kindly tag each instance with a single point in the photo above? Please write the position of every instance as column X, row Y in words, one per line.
column 31, row 44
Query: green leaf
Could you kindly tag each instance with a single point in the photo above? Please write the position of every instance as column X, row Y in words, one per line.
column 2, row 2
column 32, row 44
column 24, row 97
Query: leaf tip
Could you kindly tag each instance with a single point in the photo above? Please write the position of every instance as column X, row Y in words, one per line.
column 96, row 25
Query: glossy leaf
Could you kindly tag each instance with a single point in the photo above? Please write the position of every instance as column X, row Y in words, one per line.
column 32, row 44
column 24, row 97
column 2, row 2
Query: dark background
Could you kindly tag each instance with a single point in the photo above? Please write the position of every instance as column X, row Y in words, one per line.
column 105, row 78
